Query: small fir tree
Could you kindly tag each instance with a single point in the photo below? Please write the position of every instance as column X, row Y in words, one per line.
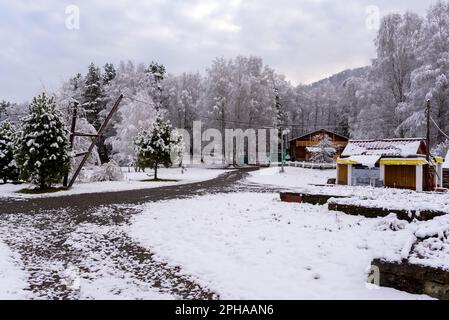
column 158, row 145
column 324, row 151
column 8, row 148
column 43, row 156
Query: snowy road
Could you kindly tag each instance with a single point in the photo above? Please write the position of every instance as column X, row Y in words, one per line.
column 75, row 247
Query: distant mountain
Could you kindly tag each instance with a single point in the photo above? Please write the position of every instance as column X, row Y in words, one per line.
column 338, row 78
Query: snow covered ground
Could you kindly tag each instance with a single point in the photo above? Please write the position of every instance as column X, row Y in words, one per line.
column 12, row 277
column 292, row 178
column 252, row 246
column 313, row 181
column 133, row 181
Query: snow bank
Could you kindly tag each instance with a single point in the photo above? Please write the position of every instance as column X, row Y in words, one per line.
column 252, row 246
column 432, row 246
column 12, row 277
column 292, row 178
column 306, row 180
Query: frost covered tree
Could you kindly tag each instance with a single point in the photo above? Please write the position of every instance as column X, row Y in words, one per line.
column 109, row 73
column 324, row 151
column 158, row 145
column 4, row 106
column 397, row 43
column 8, row 149
column 135, row 115
column 156, row 74
column 184, row 99
column 430, row 79
column 440, row 149
column 42, row 156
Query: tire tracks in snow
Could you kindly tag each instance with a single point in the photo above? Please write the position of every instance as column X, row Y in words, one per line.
column 75, row 247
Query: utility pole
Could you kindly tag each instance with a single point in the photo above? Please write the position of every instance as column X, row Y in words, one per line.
column 430, row 181
column 282, row 150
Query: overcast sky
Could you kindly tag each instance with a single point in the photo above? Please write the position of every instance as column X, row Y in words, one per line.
column 304, row 39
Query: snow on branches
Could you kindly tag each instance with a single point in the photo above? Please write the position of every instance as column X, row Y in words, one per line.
column 43, row 155
column 8, row 166
column 158, row 145
column 324, row 151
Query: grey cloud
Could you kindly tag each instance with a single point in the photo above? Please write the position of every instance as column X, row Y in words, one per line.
column 305, row 40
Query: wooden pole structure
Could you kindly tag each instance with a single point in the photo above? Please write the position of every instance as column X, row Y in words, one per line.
column 72, row 137
column 428, row 130
column 95, row 140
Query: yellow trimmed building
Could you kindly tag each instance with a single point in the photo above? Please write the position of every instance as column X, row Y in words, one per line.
column 395, row 163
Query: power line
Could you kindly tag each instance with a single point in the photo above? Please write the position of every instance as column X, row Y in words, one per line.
column 439, row 129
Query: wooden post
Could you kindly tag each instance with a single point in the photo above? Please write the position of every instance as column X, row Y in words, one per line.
column 428, row 131
column 72, row 137
column 282, row 149
column 429, row 171
column 95, row 140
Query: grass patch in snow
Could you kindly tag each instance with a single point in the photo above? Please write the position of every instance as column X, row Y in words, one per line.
column 41, row 191
column 159, row 180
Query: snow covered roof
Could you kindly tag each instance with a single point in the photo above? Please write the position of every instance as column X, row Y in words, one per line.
column 366, row 160
column 384, row 147
column 320, row 131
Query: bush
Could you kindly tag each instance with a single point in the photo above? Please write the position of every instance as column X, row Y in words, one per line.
column 110, row 171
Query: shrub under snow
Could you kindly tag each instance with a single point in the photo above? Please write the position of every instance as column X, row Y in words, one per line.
column 110, row 171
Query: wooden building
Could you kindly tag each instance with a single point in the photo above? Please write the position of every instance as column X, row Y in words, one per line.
column 396, row 163
column 301, row 148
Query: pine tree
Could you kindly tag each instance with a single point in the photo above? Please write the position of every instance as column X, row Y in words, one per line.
column 156, row 74
column 159, row 145
column 8, row 148
column 93, row 96
column 109, row 73
column 43, row 156
column 4, row 106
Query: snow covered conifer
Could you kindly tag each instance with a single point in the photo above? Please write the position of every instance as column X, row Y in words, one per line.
column 159, row 145
column 4, row 106
column 109, row 73
column 8, row 140
column 43, row 156
column 93, row 96
column 324, row 151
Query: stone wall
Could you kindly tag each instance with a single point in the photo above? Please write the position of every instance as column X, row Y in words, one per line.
column 372, row 212
column 413, row 278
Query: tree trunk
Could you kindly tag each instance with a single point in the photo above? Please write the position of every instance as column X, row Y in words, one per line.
column 155, row 172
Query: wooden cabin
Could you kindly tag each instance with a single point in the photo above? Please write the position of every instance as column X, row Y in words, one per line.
column 395, row 163
column 301, row 147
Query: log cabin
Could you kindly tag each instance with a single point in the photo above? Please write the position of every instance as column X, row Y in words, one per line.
column 301, row 147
